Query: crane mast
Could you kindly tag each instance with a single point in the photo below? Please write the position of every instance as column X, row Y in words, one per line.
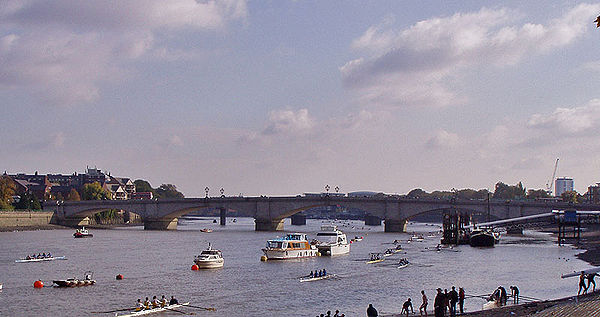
column 550, row 184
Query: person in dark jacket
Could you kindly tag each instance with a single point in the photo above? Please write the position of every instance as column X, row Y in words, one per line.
column 173, row 301
column 461, row 299
column 438, row 303
column 371, row 311
column 406, row 306
column 503, row 296
column 453, row 300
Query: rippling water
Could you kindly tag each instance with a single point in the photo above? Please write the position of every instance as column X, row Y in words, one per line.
column 158, row 262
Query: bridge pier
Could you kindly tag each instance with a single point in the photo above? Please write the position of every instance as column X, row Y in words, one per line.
column 222, row 216
column 160, row 224
column 268, row 225
column 393, row 225
column 298, row 220
column 372, row 221
column 74, row 222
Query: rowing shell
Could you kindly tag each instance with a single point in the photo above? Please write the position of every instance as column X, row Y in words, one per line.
column 576, row 273
column 153, row 310
column 375, row 261
column 318, row 278
column 42, row 259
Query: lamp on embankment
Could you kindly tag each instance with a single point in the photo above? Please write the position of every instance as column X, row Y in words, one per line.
column 206, row 190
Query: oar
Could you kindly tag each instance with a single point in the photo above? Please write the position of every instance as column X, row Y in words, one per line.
column 205, row 308
column 179, row 311
column 112, row 311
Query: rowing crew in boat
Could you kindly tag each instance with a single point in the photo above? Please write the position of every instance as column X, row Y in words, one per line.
column 319, row 273
column 155, row 303
column 39, row 256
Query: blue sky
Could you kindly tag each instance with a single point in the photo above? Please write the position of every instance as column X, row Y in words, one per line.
column 283, row 97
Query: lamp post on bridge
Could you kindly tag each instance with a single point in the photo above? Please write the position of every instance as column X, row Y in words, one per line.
column 222, row 192
column 327, row 189
column 337, row 189
column 206, row 190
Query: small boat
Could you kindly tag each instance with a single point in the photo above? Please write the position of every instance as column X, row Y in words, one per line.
column 152, row 310
column 48, row 258
column 491, row 305
column 206, row 230
column 483, row 238
column 209, row 259
column 577, row 273
column 316, row 278
column 403, row 263
column 73, row 282
column 357, row 238
column 376, row 258
column 332, row 241
column 291, row 246
column 82, row 233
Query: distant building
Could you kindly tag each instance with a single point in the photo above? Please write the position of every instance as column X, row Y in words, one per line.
column 593, row 193
column 563, row 184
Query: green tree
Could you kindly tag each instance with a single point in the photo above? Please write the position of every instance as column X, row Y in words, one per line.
column 168, row 191
column 570, row 196
column 73, row 195
column 94, row 191
column 28, row 201
column 143, row 186
column 537, row 193
column 417, row 193
column 503, row 191
column 7, row 191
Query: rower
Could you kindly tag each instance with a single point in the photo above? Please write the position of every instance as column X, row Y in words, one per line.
column 155, row 302
column 49, row 255
column 139, row 305
column 147, row 303
column 324, row 272
column 311, row 274
column 163, row 301
column 173, row 301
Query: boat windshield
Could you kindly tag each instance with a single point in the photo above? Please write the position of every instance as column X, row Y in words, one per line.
column 295, row 236
column 274, row 244
column 209, row 252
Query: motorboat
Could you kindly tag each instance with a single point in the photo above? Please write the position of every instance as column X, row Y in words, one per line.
column 153, row 310
column 209, row 259
column 207, row 230
column 484, row 238
column 40, row 259
column 73, row 282
column 357, row 238
column 332, row 241
column 82, row 233
column 291, row 246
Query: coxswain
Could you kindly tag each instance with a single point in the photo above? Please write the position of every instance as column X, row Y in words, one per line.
column 147, row 303
column 155, row 302
column 139, row 305
column 311, row 274
column 173, row 301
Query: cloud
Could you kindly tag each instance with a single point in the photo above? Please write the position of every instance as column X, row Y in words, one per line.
column 61, row 51
column 289, row 122
column 410, row 67
column 443, row 140
column 568, row 121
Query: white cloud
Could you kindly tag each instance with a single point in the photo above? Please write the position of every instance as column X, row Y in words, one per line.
column 289, row 122
column 443, row 139
column 62, row 50
column 569, row 121
column 410, row 67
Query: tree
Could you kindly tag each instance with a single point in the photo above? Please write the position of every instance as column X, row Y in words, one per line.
column 143, row 186
column 417, row 193
column 503, row 191
column 537, row 193
column 94, row 191
column 73, row 195
column 7, row 191
column 28, row 201
column 570, row 196
column 168, row 191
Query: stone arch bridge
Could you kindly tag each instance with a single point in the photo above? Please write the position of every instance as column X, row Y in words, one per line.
column 269, row 212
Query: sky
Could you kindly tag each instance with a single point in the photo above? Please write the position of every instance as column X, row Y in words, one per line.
column 285, row 97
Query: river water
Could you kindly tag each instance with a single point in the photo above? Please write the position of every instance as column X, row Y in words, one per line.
column 159, row 262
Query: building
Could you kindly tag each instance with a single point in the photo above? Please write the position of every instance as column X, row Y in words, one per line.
column 593, row 194
column 563, row 184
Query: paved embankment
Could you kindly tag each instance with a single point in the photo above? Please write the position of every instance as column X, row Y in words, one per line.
column 25, row 220
column 582, row 306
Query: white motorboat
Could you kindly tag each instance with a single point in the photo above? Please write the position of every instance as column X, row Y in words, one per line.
column 41, row 259
column 152, row 310
column 332, row 241
column 82, row 233
column 209, row 259
column 291, row 246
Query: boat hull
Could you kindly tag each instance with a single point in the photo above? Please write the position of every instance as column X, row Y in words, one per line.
column 73, row 283
column 312, row 279
column 41, row 260
column 280, row 254
column 153, row 310
column 211, row 264
column 81, row 235
column 335, row 249
column 483, row 239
